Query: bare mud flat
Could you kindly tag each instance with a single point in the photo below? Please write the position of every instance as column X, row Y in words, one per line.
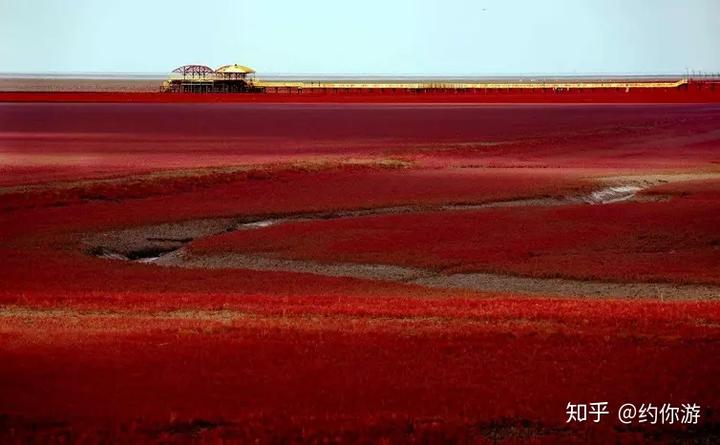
column 164, row 245
column 482, row 282
column 55, row 84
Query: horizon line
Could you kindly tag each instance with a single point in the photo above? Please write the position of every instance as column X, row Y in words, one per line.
column 82, row 74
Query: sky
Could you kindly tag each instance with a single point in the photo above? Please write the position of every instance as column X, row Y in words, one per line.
column 381, row 37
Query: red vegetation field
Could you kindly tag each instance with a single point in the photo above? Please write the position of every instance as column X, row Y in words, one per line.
column 110, row 350
column 360, row 369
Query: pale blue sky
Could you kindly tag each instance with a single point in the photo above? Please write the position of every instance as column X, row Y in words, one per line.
column 431, row 37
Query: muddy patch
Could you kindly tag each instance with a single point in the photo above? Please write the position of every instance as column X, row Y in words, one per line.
column 380, row 272
column 570, row 288
column 149, row 243
column 481, row 282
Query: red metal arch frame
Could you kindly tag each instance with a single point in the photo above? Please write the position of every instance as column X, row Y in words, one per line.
column 194, row 71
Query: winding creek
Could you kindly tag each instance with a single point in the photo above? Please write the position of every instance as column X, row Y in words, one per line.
column 165, row 245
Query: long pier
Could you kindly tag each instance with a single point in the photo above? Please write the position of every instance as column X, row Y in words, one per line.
column 278, row 85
